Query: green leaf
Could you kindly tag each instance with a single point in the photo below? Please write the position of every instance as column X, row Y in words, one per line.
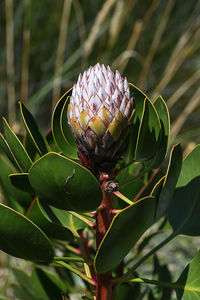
column 24, row 293
column 139, row 97
column 157, row 187
column 190, row 168
column 75, row 271
column 52, row 230
column 188, row 284
column 184, row 210
column 21, row 181
column 5, row 148
column 30, row 148
column 131, row 188
column 57, row 129
column 31, row 287
column 12, row 194
column 171, row 178
column 64, row 218
column 65, row 127
column 18, row 150
column 51, row 284
column 125, row 230
column 161, row 151
column 149, row 133
column 27, row 288
column 50, row 140
column 35, row 133
column 22, row 238
column 65, row 184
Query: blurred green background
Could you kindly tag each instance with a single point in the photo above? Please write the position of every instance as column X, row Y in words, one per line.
column 46, row 44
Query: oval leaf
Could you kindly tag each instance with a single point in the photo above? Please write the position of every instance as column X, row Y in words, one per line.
column 65, row 184
column 12, row 194
column 190, row 168
column 22, row 238
column 125, row 230
column 184, row 210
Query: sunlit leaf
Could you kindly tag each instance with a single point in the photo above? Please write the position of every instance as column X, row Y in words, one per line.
column 64, row 183
column 190, row 168
column 188, row 284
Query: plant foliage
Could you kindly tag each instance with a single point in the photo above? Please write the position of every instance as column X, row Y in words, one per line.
column 51, row 200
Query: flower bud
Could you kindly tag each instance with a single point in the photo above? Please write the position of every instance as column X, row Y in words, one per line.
column 99, row 114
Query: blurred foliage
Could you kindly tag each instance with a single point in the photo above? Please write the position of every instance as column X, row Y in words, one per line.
column 154, row 43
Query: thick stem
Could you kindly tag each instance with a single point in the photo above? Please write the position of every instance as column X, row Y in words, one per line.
column 103, row 220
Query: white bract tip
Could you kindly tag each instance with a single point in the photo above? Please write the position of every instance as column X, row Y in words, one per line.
column 102, row 82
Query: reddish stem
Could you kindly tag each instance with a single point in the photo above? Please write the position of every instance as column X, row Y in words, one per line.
column 103, row 220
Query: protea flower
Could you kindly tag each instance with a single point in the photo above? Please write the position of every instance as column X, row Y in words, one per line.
column 99, row 114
